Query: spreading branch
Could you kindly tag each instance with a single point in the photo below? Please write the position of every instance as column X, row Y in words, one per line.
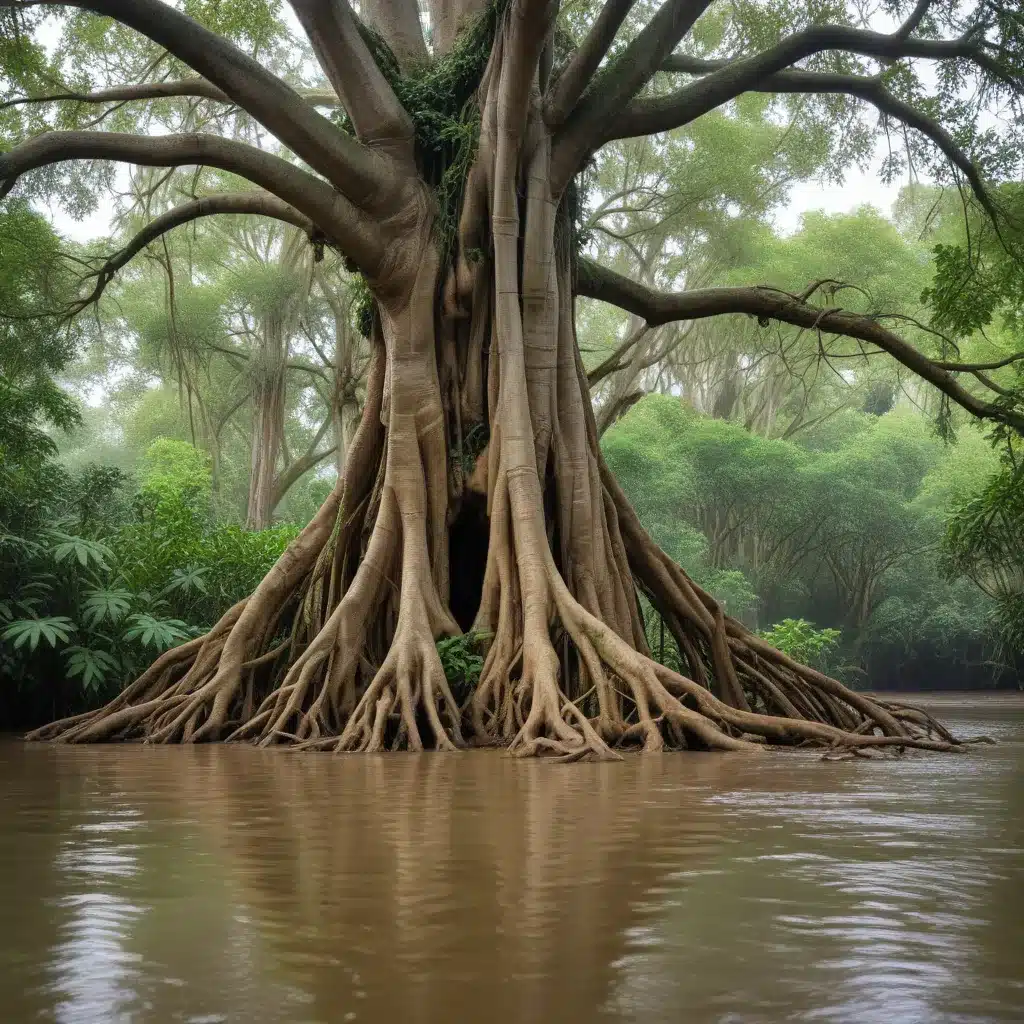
column 378, row 117
column 252, row 203
column 767, row 304
column 198, row 88
column 332, row 213
column 269, row 99
column 584, row 129
column 569, row 86
column 744, row 74
column 663, row 113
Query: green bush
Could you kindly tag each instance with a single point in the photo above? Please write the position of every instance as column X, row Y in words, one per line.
column 462, row 663
column 801, row 641
column 96, row 581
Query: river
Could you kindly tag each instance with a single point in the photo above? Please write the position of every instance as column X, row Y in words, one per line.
column 232, row 884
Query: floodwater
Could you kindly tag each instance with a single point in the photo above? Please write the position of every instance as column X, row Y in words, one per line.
column 232, row 884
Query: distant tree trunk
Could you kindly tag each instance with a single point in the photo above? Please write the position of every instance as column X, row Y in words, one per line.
column 268, row 368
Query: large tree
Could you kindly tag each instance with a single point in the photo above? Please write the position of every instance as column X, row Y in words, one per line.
column 451, row 182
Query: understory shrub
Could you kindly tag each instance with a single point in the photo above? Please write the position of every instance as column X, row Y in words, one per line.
column 98, row 576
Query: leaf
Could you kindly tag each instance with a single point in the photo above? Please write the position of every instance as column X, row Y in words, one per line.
column 79, row 548
column 54, row 629
column 188, row 580
column 158, row 633
column 109, row 605
column 92, row 666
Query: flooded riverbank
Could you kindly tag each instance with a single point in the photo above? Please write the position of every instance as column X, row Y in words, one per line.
column 233, row 884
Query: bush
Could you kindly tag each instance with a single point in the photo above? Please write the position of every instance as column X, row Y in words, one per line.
column 799, row 639
column 97, row 581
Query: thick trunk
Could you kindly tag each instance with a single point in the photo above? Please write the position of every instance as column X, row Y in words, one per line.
column 336, row 648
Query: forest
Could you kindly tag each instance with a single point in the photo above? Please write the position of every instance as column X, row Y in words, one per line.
column 446, row 376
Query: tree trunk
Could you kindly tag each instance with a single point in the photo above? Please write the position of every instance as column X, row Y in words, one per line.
column 267, row 367
column 474, row 336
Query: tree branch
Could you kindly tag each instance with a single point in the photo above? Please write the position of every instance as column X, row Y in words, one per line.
column 773, row 304
column 663, row 113
column 288, row 476
column 341, row 222
column 617, row 86
column 255, row 203
column 193, row 87
column 743, row 75
column 274, row 103
column 567, row 89
column 995, row 364
column 377, row 116
column 398, row 22
column 914, row 19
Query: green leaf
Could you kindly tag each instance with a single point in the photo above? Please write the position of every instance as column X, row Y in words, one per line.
column 188, row 580
column 92, row 666
column 54, row 629
column 79, row 548
column 106, row 605
column 160, row 634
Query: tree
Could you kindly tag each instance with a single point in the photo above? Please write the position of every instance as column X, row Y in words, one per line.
column 450, row 182
column 33, row 350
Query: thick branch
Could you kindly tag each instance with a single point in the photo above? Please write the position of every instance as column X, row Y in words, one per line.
column 744, row 74
column 287, row 478
column 398, row 22
column 255, row 203
column 273, row 102
column 663, row 113
column 345, row 226
column 617, row 86
column 773, row 304
column 563, row 94
column 193, row 87
column 377, row 116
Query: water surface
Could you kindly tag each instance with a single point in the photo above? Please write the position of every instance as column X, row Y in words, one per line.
column 231, row 884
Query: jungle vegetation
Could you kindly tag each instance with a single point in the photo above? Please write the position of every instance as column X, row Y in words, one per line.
column 445, row 380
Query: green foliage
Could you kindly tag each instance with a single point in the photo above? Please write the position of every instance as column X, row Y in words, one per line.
column 462, row 661
column 34, row 346
column 842, row 529
column 157, row 633
column 123, row 581
column 803, row 642
column 54, row 629
column 92, row 668
column 984, row 540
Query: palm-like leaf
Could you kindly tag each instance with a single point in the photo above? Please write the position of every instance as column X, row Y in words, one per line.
column 106, row 605
column 82, row 549
column 188, row 580
column 55, row 629
column 158, row 633
column 92, row 666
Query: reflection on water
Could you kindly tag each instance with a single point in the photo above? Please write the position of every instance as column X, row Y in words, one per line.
column 231, row 884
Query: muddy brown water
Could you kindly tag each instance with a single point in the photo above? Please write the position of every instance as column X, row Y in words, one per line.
column 231, row 884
